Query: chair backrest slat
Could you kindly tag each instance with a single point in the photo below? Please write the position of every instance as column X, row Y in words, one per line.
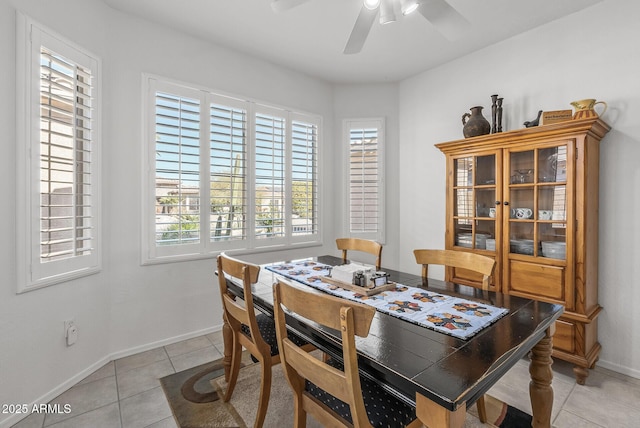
column 332, row 380
column 325, row 309
column 236, row 311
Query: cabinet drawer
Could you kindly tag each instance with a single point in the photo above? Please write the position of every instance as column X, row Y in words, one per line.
column 564, row 337
column 537, row 280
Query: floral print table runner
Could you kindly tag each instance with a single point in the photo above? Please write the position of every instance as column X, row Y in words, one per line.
column 455, row 316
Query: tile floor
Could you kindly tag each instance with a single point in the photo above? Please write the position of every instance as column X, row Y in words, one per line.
column 126, row 393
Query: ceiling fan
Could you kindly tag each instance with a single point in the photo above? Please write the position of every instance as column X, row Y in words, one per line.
column 439, row 13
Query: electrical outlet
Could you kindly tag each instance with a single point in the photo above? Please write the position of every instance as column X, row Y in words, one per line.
column 70, row 332
column 67, row 324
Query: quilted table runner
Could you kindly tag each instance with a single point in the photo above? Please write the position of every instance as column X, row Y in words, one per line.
column 455, row 316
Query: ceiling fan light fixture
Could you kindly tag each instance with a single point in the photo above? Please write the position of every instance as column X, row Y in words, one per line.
column 387, row 14
column 408, row 6
column 371, row 4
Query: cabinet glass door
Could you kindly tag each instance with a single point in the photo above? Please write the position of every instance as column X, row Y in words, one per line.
column 474, row 213
column 537, row 204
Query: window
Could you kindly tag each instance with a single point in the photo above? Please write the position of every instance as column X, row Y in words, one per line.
column 365, row 142
column 225, row 174
column 58, row 151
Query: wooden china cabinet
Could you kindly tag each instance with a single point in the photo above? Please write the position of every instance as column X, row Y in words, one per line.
column 529, row 198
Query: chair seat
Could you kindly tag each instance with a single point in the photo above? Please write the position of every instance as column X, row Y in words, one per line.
column 267, row 328
column 383, row 409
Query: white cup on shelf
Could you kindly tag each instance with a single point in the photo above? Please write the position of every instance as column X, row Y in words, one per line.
column 545, row 214
column 524, row 213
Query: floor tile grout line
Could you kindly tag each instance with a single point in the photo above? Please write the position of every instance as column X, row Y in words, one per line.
column 564, row 402
column 44, row 425
column 115, row 370
column 192, row 350
column 583, row 418
column 83, row 413
column 170, row 360
column 146, row 364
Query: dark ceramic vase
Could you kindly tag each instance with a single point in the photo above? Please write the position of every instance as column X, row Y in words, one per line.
column 475, row 124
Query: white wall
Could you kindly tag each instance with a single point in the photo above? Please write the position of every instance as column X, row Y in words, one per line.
column 591, row 54
column 34, row 361
column 153, row 303
column 127, row 307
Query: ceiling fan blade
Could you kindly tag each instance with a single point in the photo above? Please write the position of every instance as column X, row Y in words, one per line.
column 282, row 5
column 445, row 18
column 360, row 31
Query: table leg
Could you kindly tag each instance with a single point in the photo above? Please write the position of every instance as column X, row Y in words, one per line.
column 432, row 415
column 540, row 390
column 227, row 337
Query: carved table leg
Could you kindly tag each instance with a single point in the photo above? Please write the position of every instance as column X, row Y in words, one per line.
column 540, row 390
column 227, row 337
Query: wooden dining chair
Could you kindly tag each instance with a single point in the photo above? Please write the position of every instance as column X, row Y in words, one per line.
column 465, row 260
column 459, row 259
column 364, row 245
column 255, row 332
column 333, row 391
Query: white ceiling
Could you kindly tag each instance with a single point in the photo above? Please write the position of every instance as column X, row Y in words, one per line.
column 310, row 38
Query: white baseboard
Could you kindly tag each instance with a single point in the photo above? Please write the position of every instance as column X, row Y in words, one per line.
column 627, row 371
column 164, row 342
column 47, row 397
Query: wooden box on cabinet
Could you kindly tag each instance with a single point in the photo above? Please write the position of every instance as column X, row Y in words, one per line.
column 529, row 199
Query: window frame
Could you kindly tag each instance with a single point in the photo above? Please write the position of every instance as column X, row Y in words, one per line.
column 365, row 123
column 151, row 253
column 32, row 273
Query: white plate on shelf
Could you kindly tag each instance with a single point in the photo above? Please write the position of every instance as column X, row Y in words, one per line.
column 464, row 240
column 521, row 246
column 554, row 249
column 491, row 244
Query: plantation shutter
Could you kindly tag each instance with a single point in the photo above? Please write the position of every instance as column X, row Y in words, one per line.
column 177, row 169
column 59, row 159
column 228, row 157
column 269, row 176
column 304, row 185
column 364, row 181
column 66, row 191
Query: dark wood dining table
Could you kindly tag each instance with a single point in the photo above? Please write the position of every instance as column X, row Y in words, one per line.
column 440, row 374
